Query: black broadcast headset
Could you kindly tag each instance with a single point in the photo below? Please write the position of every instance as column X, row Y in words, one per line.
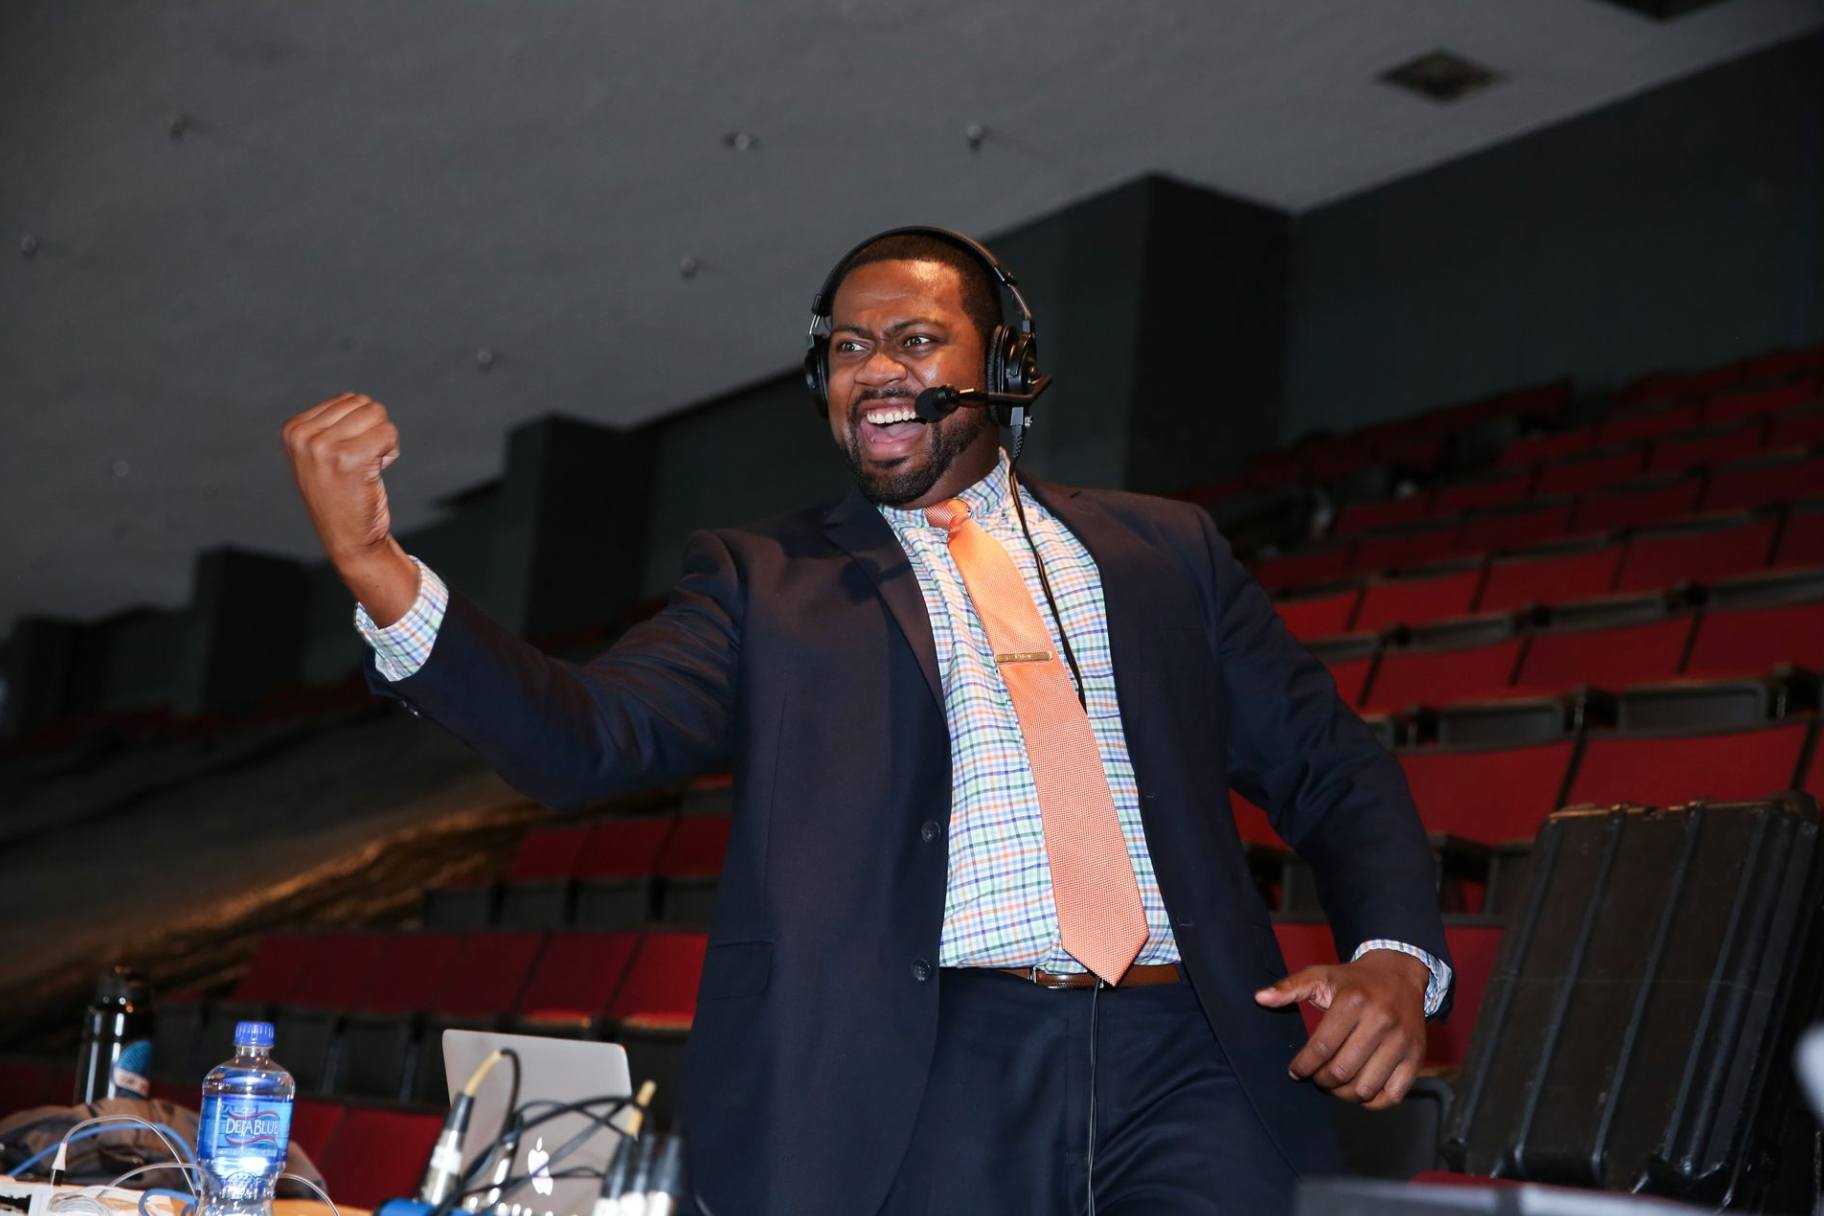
column 1012, row 375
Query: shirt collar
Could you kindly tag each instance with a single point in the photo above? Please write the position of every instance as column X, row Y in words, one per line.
column 987, row 498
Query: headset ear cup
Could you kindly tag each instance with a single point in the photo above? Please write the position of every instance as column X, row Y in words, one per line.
column 815, row 379
column 995, row 374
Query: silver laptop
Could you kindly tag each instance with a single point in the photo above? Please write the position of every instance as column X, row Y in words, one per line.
column 554, row 1070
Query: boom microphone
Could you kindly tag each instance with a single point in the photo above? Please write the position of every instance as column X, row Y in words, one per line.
column 944, row 400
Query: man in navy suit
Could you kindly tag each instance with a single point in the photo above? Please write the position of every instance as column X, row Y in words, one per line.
column 887, row 1019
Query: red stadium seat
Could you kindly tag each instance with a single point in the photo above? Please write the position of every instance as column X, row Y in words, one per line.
column 575, row 980
column 1760, row 401
column 1550, row 446
column 1413, row 545
column 1802, row 538
column 1314, row 564
column 1473, row 949
column 1592, row 470
column 1380, row 513
column 1745, row 641
column 1528, row 523
column 1547, row 575
column 1668, row 769
column 409, row 969
column 624, row 848
column 1431, row 676
column 1647, row 501
column 1782, row 363
column 1702, row 449
column 547, row 854
column 377, row 1154
column 313, row 1124
column 1788, row 476
column 661, row 983
column 487, row 974
column 1419, row 596
column 1649, row 424
column 1702, row 549
column 1251, row 823
column 278, row 968
column 25, row 1083
column 1487, row 794
column 1316, row 616
column 695, row 847
column 1797, row 429
column 1557, row 660
column 1498, row 487
column 1350, row 660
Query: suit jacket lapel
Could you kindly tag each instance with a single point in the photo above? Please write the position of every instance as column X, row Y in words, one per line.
column 855, row 525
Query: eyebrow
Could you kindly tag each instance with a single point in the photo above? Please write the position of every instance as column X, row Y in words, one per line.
column 896, row 328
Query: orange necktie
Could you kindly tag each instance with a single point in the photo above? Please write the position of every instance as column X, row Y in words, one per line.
column 1092, row 881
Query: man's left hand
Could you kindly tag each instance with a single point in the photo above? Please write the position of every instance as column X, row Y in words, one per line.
column 1371, row 1041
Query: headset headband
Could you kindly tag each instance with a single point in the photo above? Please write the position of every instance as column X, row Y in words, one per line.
column 824, row 302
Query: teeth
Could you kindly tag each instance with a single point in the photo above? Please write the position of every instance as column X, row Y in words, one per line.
column 898, row 414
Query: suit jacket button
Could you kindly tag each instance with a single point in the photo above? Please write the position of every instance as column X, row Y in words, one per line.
column 921, row 970
column 929, row 831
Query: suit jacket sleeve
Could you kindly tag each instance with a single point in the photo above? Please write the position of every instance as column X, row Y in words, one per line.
column 1331, row 790
column 654, row 708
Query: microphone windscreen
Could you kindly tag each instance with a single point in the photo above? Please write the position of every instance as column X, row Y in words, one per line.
column 936, row 403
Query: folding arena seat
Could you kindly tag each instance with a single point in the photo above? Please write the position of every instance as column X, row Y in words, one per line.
column 1801, row 540
column 1251, row 823
column 535, row 893
column 1761, row 401
column 617, row 871
column 1350, row 660
column 1645, row 501
column 1355, row 517
column 481, row 986
column 690, row 866
column 1800, row 428
column 653, row 1010
column 1448, row 661
column 1672, row 767
column 1416, row 596
column 1526, row 523
column 1310, row 564
column 1497, row 487
column 1489, row 794
column 1702, row 449
column 462, row 905
column 279, row 967
column 25, row 1083
column 378, row 1039
column 1783, row 363
column 577, row 976
column 1612, row 657
column 1649, row 423
column 1548, row 446
column 340, row 970
column 1753, row 637
column 1714, row 703
column 1786, row 476
column 377, row 1154
column 313, row 1124
column 1320, row 611
column 1413, row 545
column 1700, row 549
column 1592, row 470
column 1569, row 570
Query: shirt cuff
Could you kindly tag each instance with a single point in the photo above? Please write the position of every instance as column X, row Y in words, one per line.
column 402, row 647
column 1435, row 987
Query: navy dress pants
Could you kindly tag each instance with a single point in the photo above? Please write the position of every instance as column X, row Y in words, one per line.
column 1005, row 1124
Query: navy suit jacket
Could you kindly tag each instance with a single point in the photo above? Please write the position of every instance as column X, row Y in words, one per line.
column 798, row 651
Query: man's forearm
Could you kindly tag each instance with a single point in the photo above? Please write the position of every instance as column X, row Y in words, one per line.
column 384, row 580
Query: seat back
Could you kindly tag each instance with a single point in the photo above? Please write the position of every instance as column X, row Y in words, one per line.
column 1672, row 768
column 1562, row 659
column 1700, row 551
column 1487, row 794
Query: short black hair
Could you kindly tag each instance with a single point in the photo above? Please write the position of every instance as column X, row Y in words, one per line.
column 981, row 294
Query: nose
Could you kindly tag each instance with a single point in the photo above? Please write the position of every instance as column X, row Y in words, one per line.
column 880, row 369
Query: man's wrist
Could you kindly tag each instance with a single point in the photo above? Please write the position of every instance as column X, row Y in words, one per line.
column 383, row 579
column 1412, row 968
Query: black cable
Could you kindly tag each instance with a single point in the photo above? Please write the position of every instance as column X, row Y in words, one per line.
column 520, row 1125
column 1070, row 655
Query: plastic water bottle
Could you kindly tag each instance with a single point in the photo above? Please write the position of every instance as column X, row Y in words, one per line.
column 245, row 1130
column 115, row 1060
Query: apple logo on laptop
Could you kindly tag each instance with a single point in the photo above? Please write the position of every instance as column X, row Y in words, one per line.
column 537, row 1161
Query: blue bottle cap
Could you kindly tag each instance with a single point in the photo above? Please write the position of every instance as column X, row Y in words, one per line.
column 253, row 1034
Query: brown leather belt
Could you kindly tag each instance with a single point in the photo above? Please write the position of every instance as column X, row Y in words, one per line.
column 1140, row 975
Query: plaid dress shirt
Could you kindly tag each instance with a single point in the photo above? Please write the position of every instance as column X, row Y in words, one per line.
column 998, row 909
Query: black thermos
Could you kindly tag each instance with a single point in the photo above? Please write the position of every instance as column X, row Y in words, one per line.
column 115, row 1060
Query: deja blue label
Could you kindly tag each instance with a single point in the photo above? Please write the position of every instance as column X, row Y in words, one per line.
column 246, row 1124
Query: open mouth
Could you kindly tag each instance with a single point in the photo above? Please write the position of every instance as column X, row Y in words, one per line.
column 890, row 428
